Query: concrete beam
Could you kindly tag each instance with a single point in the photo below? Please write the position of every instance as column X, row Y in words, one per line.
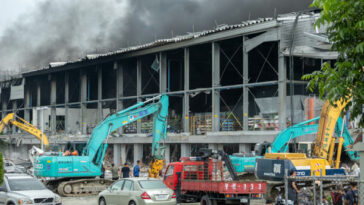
column 53, row 101
column 215, row 83
column 83, row 97
column 186, row 96
column 99, row 94
column 162, row 72
column 185, row 150
column 138, row 152
column 139, row 90
column 271, row 35
column 66, row 101
column 119, row 85
column 245, row 88
column 282, row 89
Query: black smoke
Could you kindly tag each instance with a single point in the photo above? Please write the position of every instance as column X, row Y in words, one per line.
column 69, row 29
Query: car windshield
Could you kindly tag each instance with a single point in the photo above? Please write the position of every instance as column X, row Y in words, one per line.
column 151, row 184
column 25, row 184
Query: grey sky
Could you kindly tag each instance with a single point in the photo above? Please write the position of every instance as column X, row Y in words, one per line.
column 36, row 32
column 11, row 9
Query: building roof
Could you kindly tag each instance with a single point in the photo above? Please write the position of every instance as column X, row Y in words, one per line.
column 162, row 44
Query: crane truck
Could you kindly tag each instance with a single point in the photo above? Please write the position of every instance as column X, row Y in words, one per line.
column 246, row 164
column 76, row 175
column 202, row 179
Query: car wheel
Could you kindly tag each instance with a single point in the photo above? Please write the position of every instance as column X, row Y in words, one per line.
column 205, row 200
column 132, row 203
column 102, row 201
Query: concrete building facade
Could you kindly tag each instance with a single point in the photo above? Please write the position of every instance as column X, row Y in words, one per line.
column 229, row 87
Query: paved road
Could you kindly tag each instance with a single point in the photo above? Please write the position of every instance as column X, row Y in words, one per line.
column 90, row 200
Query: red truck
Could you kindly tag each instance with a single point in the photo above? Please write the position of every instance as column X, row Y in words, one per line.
column 202, row 179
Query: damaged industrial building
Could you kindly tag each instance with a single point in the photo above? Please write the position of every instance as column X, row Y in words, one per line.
column 229, row 88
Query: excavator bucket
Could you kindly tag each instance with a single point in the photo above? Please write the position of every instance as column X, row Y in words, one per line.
column 155, row 166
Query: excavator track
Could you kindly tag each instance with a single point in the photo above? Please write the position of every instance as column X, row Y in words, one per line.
column 82, row 187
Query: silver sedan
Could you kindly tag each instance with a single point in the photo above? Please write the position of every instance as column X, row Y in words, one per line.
column 137, row 191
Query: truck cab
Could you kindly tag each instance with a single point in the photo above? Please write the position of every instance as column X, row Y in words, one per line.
column 170, row 177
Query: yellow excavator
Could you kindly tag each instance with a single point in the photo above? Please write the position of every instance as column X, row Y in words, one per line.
column 272, row 167
column 13, row 119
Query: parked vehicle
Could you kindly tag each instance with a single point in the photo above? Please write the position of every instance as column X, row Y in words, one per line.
column 22, row 189
column 11, row 167
column 203, row 179
column 137, row 191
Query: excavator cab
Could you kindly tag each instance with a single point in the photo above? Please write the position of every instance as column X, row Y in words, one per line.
column 261, row 148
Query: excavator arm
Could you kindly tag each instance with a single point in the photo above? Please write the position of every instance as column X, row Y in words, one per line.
column 281, row 142
column 95, row 149
column 19, row 122
column 328, row 118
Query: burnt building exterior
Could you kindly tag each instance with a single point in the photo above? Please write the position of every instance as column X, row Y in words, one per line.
column 229, row 87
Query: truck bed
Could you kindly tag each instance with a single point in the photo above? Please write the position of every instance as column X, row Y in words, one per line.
column 224, row 187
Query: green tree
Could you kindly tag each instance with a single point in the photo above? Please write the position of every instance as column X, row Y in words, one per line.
column 344, row 20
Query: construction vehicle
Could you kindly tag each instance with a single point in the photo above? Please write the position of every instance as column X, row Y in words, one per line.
column 274, row 166
column 245, row 163
column 75, row 175
column 13, row 119
column 202, row 179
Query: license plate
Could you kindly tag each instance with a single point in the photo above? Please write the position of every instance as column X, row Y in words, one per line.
column 244, row 200
column 161, row 197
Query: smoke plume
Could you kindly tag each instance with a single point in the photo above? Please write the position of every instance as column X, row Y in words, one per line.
column 68, row 29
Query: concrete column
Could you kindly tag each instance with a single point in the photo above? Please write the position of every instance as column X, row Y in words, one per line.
column 99, row 95
column 117, row 154
column 123, row 153
column 4, row 108
column 53, row 105
column 138, row 152
column 66, row 101
column 38, row 95
column 220, row 147
column 38, row 104
column 167, row 154
column 244, row 148
column 185, row 150
column 119, row 85
column 215, row 83
column 212, row 146
column 27, row 103
column 15, row 106
column 139, row 90
column 162, row 72
column 282, row 89
column 245, row 88
column 83, row 98
column 186, row 97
